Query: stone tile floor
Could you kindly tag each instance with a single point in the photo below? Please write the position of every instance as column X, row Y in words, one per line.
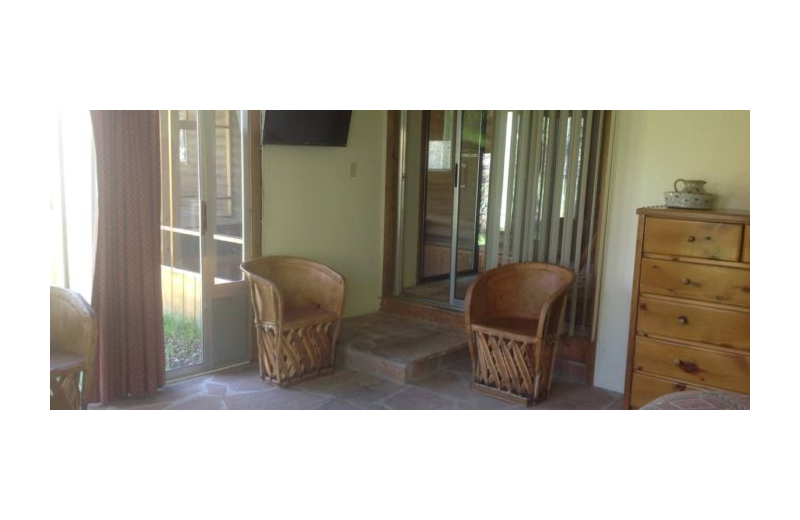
column 240, row 388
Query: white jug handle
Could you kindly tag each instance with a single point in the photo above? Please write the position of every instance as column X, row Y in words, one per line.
column 676, row 184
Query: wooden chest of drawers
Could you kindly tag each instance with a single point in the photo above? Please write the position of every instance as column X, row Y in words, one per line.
column 690, row 310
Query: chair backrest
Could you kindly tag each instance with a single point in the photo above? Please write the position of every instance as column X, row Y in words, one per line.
column 293, row 282
column 73, row 328
column 516, row 290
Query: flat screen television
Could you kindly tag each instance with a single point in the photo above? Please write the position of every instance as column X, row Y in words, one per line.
column 306, row 127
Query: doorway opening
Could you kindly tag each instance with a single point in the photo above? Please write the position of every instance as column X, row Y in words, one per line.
column 445, row 202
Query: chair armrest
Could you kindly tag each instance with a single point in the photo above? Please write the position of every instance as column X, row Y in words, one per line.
column 545, row 315
column 266, row 298
column 474, row 302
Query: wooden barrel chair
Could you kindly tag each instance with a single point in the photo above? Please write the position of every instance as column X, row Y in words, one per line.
column 513, row 316
column 298, row 306
column 73, row 349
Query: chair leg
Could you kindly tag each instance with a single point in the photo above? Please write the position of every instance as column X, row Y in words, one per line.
column 553, row 354
column 260, row 363
column 260, row 353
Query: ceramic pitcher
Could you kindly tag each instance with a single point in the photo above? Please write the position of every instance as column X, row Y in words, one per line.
column 690, row 186
column 691, row 196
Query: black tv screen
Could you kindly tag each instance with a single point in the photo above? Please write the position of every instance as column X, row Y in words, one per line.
column 306, row 127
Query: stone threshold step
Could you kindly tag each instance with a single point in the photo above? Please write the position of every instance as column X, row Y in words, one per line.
column 397, row 348
column 422, row 311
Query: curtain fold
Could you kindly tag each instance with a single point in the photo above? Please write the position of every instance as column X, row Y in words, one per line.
column 127, row 280
column 545, row 171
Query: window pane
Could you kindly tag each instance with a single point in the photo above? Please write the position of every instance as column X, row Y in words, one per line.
column 57, row 266
column 166, row 248
column 185, row 188
column 70, row 157
column 181, row 283
column 228, row 188
column 228, row 150
column 440, row 131
column 186, row 252
column 223, row 179
column 509, row 138
column 229, row 258
column 439, row 153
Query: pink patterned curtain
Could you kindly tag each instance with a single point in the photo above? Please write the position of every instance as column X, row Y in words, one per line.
column 127, row 278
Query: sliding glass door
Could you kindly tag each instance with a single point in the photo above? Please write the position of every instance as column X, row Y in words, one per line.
column 471, row 196
column 447, row 158
column 206, row 307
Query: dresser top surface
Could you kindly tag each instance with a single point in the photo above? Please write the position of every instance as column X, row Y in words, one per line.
column 726, row 215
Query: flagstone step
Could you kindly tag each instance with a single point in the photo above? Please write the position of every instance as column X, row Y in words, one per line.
column 396, row 348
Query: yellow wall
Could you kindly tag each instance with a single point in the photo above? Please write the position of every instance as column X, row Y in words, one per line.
column 313, row 207
column 650, row 150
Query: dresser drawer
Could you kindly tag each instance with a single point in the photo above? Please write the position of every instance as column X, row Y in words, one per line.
column 692, row 322
column 645, row 388
column 708, row 283
column 693, row 365
column 693, row 239
column 746, row 244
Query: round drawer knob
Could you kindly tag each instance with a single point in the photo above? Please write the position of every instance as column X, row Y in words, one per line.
column 687, row 366
column 683, row 320
column 691, row 239
column 686, row 281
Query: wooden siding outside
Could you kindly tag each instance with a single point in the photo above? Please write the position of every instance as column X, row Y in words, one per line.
column 181, row 293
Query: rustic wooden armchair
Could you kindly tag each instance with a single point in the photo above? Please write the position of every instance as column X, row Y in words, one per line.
column 513, row 316
column 73, row 349
column 298, row 306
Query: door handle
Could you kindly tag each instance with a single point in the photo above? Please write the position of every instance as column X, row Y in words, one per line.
column 203, row 217
column 457, row 177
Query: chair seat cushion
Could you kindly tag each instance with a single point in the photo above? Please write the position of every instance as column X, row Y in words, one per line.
column 298, row 317
column 518, row 326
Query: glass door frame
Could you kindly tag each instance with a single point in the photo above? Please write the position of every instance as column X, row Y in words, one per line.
column 207, row 227
column 470, row 176
column 457, row 164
